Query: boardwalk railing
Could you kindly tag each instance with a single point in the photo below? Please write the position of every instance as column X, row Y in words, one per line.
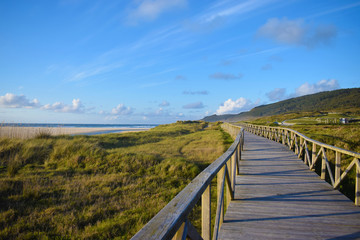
column 299, row 143
column 172, row 221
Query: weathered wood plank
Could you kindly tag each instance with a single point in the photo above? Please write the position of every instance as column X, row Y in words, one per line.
column 206, row 214
column 278, row 197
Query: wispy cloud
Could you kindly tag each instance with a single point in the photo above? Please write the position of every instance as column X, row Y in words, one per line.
column 216, row 15
column 195, row 92
column 154, row 84
column 162, row 115
column 225, row 76
column 93, row 70
column 277, row 94
column 259, row 52
column 334, row 10
column 148, row 10
column 164, row 104
column 266, row 67
column 230, row 8
column 297, row 32
column 195, row 105
column 226, row 62
column 156, row 37
column 180, row 77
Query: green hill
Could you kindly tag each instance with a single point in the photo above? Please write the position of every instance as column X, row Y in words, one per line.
column 340, row 100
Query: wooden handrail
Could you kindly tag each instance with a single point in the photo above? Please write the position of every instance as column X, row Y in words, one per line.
column 299, row 144
column 172, row 221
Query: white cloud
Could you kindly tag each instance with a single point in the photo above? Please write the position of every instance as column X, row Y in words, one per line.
column 283, row 30
column 160, row 112
column 121, row 109
column 162, row 115
column 231, row 106
column 277, row 94
column 164, row 104
column 148, row 10
column 322, row 85
column 10, row 100
column 195, row 105
column 225, row 76
column 75, row 107
column 111, row 118
column 296, row 32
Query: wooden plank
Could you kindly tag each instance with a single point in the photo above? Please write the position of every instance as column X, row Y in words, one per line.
column 206, row 214
column 181, row 233
column 278, row 197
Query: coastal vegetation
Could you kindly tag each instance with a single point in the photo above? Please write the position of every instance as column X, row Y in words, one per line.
column 99, row 187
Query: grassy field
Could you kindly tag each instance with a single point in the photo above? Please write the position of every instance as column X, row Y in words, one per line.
column 99, row 187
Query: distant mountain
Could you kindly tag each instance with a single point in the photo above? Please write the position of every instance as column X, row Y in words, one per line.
column 341, row 99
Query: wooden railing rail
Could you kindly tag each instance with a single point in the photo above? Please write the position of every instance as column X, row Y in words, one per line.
column 299, row 143
column 172, row 221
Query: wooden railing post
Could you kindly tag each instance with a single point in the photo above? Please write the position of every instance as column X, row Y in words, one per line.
column 220, row 176
column 234, row 160
column 323, row 164
column 180, row 234
column 337, row 165
column 206, row 214
column 228, row 184
column 296, row 145
column 357, row 183
column 238, row 158
column 313, row 153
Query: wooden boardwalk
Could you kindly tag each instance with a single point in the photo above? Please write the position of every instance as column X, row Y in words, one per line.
column 278, row 197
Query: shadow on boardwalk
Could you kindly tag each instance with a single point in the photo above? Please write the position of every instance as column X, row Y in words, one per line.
column 278, row 197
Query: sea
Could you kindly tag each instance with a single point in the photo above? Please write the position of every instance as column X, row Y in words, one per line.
column 76, row 125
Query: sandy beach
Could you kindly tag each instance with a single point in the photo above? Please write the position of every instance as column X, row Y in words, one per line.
column 30, row 132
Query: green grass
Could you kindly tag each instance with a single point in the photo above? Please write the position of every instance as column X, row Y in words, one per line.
column 99, row 187
column 311, row 118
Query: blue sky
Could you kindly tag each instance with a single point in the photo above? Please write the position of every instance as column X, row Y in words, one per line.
column 159, row 61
